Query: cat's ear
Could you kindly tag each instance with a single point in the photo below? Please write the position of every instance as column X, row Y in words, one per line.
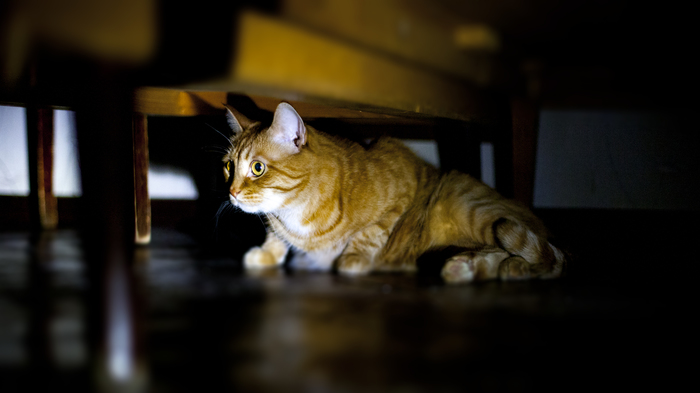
column 288, row 128
column 236, row 120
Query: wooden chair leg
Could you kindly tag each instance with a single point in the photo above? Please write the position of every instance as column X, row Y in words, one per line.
column 525, row 116
column 459, row 148
column 43, row 210
column 142, row 201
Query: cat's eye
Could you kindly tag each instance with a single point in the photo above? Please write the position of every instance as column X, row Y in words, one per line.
column 228, row 166
column 257, row 167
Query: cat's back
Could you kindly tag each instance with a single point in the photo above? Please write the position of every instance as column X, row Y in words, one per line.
column 385, row 159
column 387, row 173
column 396, row 160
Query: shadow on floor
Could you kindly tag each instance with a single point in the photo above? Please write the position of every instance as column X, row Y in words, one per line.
column 618, row 321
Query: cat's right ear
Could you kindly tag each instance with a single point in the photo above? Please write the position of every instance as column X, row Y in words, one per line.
column 288, row 128
column 236, row 120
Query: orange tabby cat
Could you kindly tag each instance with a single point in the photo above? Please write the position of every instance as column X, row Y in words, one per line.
column 361, row 209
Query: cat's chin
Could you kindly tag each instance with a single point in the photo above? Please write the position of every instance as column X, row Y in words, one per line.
column 244, row 207
column 249, row 209
column 252, row 209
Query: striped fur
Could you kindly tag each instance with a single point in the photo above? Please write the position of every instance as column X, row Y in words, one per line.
column 359, row 209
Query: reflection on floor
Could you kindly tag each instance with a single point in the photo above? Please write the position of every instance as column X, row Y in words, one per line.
column 211, row 327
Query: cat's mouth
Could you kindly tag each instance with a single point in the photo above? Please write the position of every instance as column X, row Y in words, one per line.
column 243, row 206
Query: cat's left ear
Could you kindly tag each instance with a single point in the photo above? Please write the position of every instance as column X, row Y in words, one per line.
column 288, row 128
column 236, row 120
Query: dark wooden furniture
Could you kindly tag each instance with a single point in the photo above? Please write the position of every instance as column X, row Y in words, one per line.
column 462, row 70
column 437, row 87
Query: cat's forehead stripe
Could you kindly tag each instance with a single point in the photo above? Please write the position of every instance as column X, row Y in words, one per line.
column 245, row 141
column 242, row 146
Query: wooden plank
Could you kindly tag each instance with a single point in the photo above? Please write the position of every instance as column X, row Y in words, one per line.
column 279, row 56
column 311, row 110
column 275, row 61
column 177, row 102
column 186, row 101
column 425, row 33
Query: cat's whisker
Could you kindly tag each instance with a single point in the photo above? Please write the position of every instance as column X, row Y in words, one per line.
column 269, row 225
column 220, row 133
column 215, row 149
column 215, row 146
column 261, row 220
column 222, row 208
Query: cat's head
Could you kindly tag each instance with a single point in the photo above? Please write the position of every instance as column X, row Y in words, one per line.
column 257, row 164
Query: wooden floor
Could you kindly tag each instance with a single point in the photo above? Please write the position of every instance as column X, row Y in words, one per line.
column 618, row 321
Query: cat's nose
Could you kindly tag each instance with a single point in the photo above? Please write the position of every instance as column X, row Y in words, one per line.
column 235, row 193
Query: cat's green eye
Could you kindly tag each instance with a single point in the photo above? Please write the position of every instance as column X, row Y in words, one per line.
column 257, row 167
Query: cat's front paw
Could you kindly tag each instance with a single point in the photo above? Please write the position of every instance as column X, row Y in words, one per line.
column 257, row 258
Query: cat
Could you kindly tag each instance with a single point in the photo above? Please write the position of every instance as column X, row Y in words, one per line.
column 361, row 209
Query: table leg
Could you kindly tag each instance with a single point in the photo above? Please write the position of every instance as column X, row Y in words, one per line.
column 525, row 115
column 42, row 202
column 142, row 201
column 459, row 148
column 104, row 122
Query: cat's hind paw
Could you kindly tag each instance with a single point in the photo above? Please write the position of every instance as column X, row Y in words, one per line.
column 458, row 269
column 257, row 258
column 473, row 266
column 514, row 268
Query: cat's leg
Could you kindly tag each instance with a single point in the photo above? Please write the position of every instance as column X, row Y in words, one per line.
column 494, row 263
column 358, row 256
column 271, row 254
column 475, row 265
